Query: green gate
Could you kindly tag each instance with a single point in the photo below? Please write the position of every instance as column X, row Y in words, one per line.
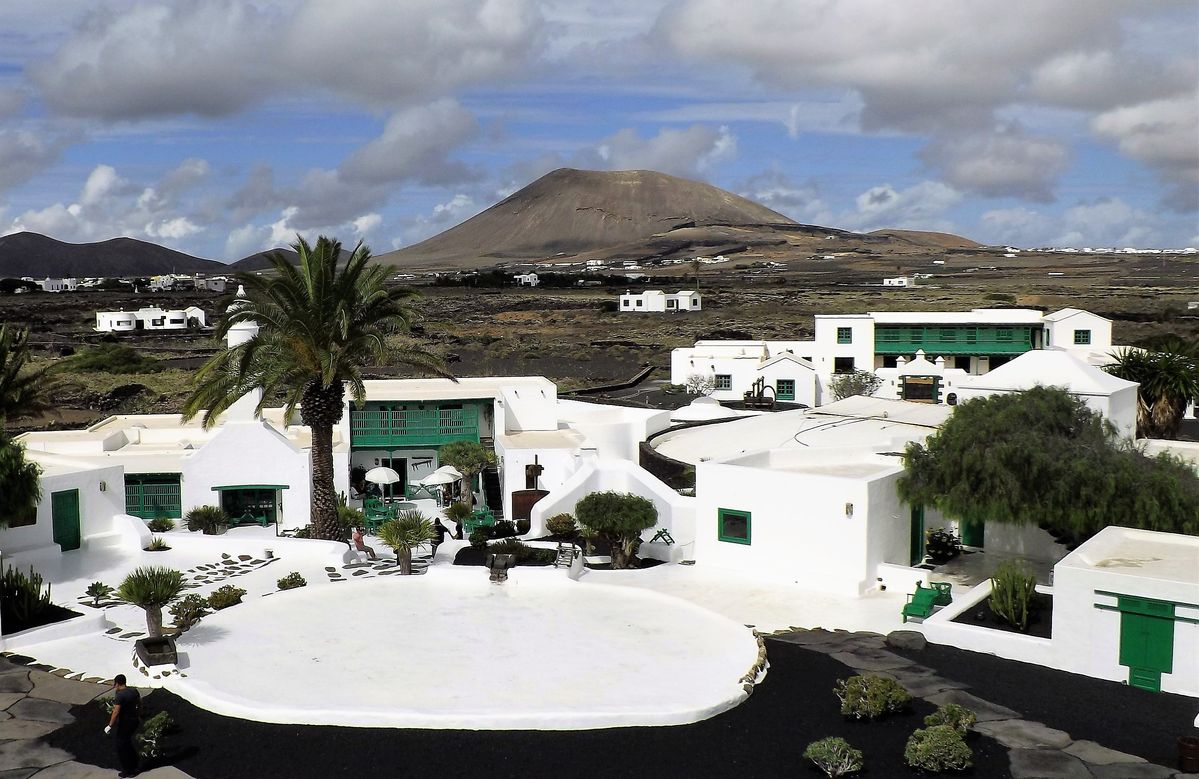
column 917, row 540
column 150, row 495
column 1146, row 641
column 64, row 511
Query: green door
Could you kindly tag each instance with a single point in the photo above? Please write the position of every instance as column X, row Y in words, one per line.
column 64, row 510
column 917, row 543
column 973, row 531
column 1146, row 641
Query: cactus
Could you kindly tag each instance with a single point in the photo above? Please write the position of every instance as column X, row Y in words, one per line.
column 1012, row 590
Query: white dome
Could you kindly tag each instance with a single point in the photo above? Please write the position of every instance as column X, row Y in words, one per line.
column 702, row 410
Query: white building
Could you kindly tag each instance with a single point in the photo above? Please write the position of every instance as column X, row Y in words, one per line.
column 657, row 301
column 734, row 366
column 58, row 285
column 900, row 281
column 526, row 280
column 212, row 284
column 149, row 318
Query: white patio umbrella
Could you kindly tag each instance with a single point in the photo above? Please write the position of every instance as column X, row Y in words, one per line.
column 451, row 470
column 382, row 476
column 437, row 477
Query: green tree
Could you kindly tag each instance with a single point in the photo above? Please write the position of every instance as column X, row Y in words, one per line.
column 470, row 458
column 1041, row 456
column 20, row 483
column 318, row 326
column 859, row 382
column 20, row 389
column 405, row 533
column 618, row 518
column 1168, row 379
column 151, row 588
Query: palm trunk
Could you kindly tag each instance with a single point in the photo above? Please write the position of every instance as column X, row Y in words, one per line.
column 466, row 492
column 404, row 555
column 154, row 621
column 321, row 408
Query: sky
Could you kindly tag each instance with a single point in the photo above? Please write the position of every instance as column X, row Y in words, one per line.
column 225, row 127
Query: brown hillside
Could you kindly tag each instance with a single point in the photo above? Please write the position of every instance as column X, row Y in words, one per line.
column 929, row 239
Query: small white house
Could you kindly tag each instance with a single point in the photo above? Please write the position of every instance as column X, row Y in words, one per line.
column 116, row 321
column 213, row 284
column 900, row 281
column 58, row 285
column 526, row 280
column 657, row 301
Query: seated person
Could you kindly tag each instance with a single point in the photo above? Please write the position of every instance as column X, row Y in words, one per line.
column 361, row 547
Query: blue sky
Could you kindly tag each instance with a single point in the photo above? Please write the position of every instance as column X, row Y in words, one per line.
column 223, row 127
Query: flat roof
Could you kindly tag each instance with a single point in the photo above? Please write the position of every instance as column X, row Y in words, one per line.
column 1144, row 554
column 449, row 389
column 999, row 316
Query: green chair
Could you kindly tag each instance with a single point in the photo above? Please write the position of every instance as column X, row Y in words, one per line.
column 375, row 513
column 920, row 603
column 480, row 518
column 944, row 592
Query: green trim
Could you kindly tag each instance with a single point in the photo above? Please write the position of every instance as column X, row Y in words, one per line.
column 1082, row 337
column 722, row 381
column 1142, row 597
column 723, row 514
column 954, row 339
column 844, row 335
column 251, row 487
column 1176, row 618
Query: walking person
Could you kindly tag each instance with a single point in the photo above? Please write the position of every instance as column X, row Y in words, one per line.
column 439, row 531
column 126, row 715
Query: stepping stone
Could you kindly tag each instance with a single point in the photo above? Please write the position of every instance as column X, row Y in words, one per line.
column 244, row 557
column 1024, row 734
column 52, row 688
column 330, row 568
column 359, row 573
column 906, row 639
column 871, row 660
column 339, row 580
column 1097, row 754
column 130, row 635
column 74, row 770
column 29, row 754
column 257, row 562
column 224, row 556
column 63, row 672
column 19, row 659
column 924, row 683
column 41, row 711
column 110, row 631
column 41, row 667
column 9, row 698
column 19, row 728
column 1046, row 764
column 1131, row 771
column 15, row 683
column 984, row 710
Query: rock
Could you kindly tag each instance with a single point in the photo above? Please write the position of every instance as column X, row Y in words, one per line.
column 19, row 728
column 1024, row 734
column 42, row 711
column 1046, row 764
column 18, row 773
column 1097, row 754
column 906, row 639
column 14, row 682
column 985, row 711
column 1131, row 771
column 53, row 688
column 9, row 698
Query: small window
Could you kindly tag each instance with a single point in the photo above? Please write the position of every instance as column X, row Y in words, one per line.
column 640, row 303
column 842, row 365
column 734, row 526
column 890, row 361
column 1082, row 337
column 785, row 389
column 844, row 335
column 626, row 303
column 724, row 381
column 952, row 398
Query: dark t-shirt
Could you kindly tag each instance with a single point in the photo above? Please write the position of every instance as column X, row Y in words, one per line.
column 130, row 701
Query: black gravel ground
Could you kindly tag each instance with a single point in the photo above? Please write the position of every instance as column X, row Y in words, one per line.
column 1146, row 724
column 764, row 737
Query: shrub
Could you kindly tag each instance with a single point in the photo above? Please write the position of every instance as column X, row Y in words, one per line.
column 503, row 529
column 457, row 512
column 224, row 597
column 161, row 525
column 523, row 526
column 208, row 519
column 620, row 519
column 834, row 756
column 561, row 525
column 408, row 531
column 871, row 697
column 937, row 749
column 291, row 581
column 188, row 610
column 1013, row 587
column 951, row 714
column 479, row 537
column 302, row 532
column 96, row 591
column 940, row 545
column 522, row 552
column 21, row 597
column 157, row 544
column 858, row 382
column 348, row 519
column 150, row 737
column 151, row 588
column 112, row 358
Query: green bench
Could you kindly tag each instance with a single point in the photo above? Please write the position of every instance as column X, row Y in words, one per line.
column 922, row 602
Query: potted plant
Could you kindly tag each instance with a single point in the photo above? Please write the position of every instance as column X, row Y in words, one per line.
column 151, row 588
column 941, row 546
column 404, row 533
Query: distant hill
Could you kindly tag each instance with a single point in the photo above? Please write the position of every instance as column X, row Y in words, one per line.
column 573, row 215
column 260, row 262
column 38, row 256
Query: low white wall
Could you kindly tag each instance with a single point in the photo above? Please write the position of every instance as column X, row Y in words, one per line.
column 1026, row 541
column 941, row 629
column 96, row 508
column 676, row 513
column 90, row 622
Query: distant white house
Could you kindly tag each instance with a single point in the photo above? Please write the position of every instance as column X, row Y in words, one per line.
column 151, row 318
column 900, row 281
column 213, row 284
column 58, row 285
column 656, row 301
column 526, row 280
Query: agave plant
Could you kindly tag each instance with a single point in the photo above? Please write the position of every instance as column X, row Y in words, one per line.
column 151, row 588
column 406, row 532
column 208, row 519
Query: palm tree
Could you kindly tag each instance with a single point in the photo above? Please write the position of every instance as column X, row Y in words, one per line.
column 20, row 482
column 318, row 325
column 20, row 390
column 151, row 588
column 1168, row 379
column 406, row 532
column 470, row 458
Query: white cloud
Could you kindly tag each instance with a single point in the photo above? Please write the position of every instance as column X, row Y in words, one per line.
column 1165, row 135
column 688, row 152
column 999, row 163
column 100, row 182
column 366, row 223
column 921, row 206
column 773, row 189
column 220, row 56
column 414, row 144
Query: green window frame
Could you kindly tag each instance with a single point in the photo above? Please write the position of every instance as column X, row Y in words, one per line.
column 724, row 381
column 1082, row 337
column 734, row 527
column 784, row 389
column 844, row 335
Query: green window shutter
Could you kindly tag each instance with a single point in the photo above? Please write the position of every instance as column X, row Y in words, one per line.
column 1082, row 337
column 724, row 381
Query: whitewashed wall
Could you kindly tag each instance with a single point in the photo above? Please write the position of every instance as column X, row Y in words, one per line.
column 558, row 466
column 96, row 508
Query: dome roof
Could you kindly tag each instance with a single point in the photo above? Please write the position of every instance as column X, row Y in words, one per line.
column 702, row 410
